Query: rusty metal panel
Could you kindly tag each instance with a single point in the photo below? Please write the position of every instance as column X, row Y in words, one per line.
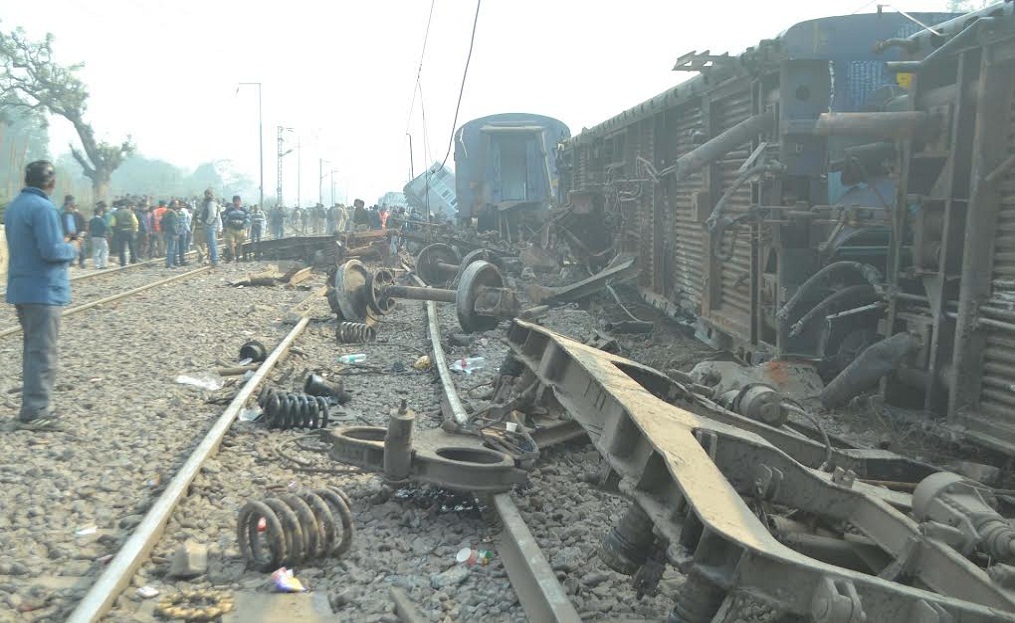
column 689, row 241
column 734, row 305
column 997, row 384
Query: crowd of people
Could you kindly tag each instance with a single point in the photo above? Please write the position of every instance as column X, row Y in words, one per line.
column 338, row 218
column 135, row 228
column 43, row 241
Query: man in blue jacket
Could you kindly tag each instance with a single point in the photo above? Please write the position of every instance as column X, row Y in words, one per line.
column 38, row 286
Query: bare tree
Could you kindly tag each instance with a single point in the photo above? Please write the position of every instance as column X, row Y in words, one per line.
column 30, row 77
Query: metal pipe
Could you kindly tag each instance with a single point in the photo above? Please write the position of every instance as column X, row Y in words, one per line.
column 398, row 444
column 868, row 368
column 118, row 573
column 942, row 52
column 413, row 293
column 897, row 125
column 716, row 148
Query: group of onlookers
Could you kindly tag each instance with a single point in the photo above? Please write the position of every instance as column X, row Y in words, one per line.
column 138, row 228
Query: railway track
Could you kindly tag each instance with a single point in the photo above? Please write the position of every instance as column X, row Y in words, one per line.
column 80, row 275
column 98, row 299
column 405, row 537
column 71, row 497
column 544, row 537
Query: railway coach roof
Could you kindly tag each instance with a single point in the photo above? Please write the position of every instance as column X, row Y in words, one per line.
column 840, row 38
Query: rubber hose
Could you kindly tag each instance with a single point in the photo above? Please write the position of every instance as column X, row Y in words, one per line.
column 868, row 368
column 869, row 273
column 862, row 292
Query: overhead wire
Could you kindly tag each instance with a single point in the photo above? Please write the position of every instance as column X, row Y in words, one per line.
column 419, row 69
column 461, row 90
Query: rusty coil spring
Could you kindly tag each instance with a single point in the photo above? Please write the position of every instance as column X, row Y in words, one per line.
column 297, row 527
column 194, row 605
column 285, row 410
column 355, row 333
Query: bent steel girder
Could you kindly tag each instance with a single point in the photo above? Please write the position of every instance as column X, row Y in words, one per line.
column 689, row 473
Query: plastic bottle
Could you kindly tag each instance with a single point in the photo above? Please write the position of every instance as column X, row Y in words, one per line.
column 467, row 364
column 357, row 358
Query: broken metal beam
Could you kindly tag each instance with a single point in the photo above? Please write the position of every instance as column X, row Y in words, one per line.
column 690, row 475
column 620, row 270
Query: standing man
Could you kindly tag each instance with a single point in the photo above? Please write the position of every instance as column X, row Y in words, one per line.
column 235, row 221
column 142, row 215
column 38, row 286
column 124, row 229
column 74, row 224
column 209, row 215
column 186, row 220
column 158, row 242
column 170, row 231
column 276, row 220
column 97, row 232
column 256, row 228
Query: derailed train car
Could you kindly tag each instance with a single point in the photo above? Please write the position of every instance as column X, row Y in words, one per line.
column 506, row 170
column 838, row 194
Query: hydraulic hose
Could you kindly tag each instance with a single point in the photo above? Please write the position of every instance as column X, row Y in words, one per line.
column 869, row 273
column 868, row 368
column 861, row 293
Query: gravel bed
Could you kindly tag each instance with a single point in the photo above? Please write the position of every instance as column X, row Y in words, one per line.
column 71, row 498
column 406, row 537
column 103, row 285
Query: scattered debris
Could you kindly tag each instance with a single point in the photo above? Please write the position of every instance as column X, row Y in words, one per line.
column 470, row 557
column 204, row 380
column 147, row 592
column 286, row 582
column 189, row 561
column 195, row 605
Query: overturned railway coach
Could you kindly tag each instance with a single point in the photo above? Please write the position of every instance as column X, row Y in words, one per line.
column 844, row 183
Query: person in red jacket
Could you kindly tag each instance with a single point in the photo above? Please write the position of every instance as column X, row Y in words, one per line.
column 158, row 240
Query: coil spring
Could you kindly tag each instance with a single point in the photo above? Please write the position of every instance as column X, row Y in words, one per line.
column 285, row 410
column 297, row 527
column 355, row 333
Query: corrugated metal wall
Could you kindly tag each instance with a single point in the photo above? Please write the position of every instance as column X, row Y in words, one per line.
column 734, row 305
column 689, row 239
column 997, row 392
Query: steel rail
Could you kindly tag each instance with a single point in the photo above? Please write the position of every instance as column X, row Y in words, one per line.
column 103, row 594
column 440, row 362
column 114, row 297
column 540, row 594
column 113, row 271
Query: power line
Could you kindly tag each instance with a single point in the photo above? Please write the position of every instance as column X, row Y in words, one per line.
column 458, row 106
column 419, row 70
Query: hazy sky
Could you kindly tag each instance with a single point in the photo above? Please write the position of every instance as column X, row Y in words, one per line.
column 342, row 73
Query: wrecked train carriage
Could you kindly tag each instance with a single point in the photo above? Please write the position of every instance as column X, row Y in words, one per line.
column 794, row 200
column 718, row 183
column 950, row 261
column 506, row 171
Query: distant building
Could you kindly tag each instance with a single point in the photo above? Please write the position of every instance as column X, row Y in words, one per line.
column 393, row 200
column 433, row 191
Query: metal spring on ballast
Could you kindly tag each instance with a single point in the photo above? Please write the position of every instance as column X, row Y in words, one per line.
column 287, row 410
column 355, row 333
column 292, row 528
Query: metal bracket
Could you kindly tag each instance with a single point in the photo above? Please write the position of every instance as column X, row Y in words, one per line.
column 836, row 601
column 693, row 61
